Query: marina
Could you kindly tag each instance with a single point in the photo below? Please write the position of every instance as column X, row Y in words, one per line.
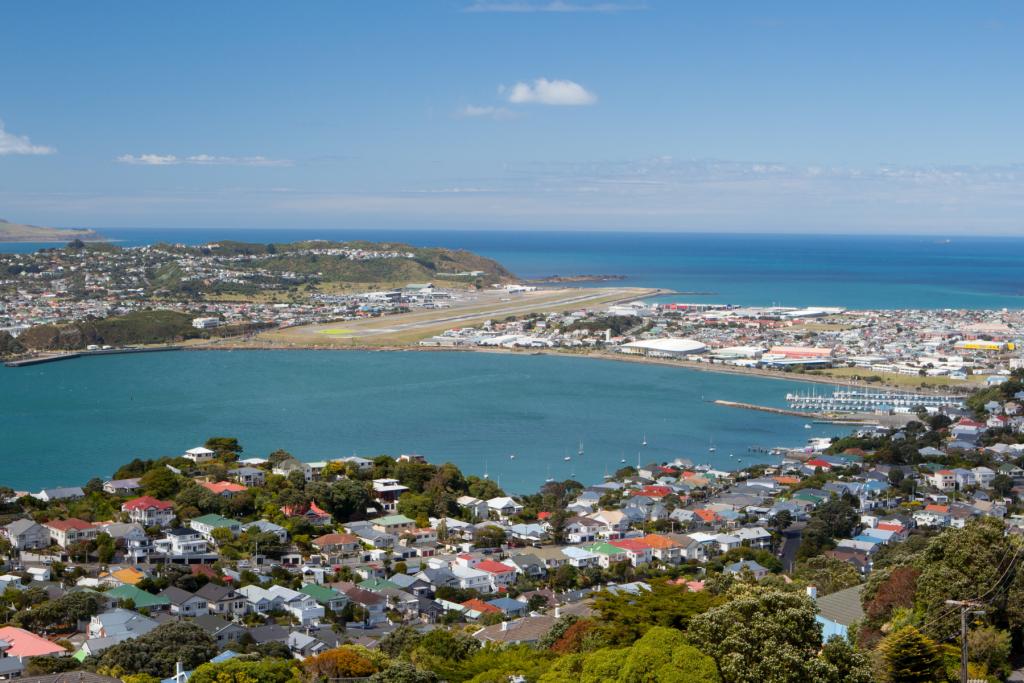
column 867, row 401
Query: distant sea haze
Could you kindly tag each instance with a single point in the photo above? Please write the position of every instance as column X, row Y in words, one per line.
column 789, row 270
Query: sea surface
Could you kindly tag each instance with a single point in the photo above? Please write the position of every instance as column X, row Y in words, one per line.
column 63, row 423
column 791, row 270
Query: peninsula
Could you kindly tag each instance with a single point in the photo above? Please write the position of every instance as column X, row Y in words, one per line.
column 18, row 232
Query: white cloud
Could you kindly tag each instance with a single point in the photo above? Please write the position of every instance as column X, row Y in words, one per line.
column 553, row 6
column 20, row 144
column 543, row 91
column 198, row 160
column 496, row 113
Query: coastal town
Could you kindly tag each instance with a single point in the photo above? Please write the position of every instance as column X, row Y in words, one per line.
column 949, row 348
column 268, row 557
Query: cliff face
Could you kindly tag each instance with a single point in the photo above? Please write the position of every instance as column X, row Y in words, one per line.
column 17, row 232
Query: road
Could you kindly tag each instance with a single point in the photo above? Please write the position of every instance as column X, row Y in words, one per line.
column 791, row 544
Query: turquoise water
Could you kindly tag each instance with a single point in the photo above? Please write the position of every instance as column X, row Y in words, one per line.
column 796, row 270
column 65, row 422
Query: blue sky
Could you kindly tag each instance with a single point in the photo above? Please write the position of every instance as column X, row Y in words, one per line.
column 543, row 114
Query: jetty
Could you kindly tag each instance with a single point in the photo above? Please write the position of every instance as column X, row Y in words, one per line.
column 54, row 357
column 822, row 418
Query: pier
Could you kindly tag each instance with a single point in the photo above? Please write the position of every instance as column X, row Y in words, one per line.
column 821, row 418
column 54, row 357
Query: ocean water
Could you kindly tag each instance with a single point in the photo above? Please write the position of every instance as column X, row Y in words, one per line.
column 62, row 423
column 794, row 270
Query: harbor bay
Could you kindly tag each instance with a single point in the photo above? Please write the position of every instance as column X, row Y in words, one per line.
column 64, row 423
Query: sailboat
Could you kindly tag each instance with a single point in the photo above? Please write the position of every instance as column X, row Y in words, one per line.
column 486, row 475
column 512, row 457
column 711, row 446
column 644, row 442
column 549, row 479
column 580, row 451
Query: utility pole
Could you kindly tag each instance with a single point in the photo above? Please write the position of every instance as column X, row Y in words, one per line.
column 965, row 607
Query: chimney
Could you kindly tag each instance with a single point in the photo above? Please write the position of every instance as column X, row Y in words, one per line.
column 504, row 626
column 558, row 612
column 812, row 592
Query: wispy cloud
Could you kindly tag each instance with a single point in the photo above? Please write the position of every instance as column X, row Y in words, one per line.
column 554, row 92
column 20, row 144
column 553, row 6
column 471, row 111
column 198, row 160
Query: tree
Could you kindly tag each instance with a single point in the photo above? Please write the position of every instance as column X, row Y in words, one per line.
column 156, row 652
column 910, row 656
column 989, row 646
column 61, row 614
column 845, row 663
column 490, row 536
column 345, row 499
column 226, row 448
column 347, row 661
column 279, row 456
column 625, row 617
column 827, row 574
column 403, row 672
column 160, row 482
column 960, row 564
column 247, row 671
column 761, row 635
column 1002, row 484
column 664, row 656
column 889, row 588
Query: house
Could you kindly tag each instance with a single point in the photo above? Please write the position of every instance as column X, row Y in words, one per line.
column 248, row 476
column 393, row 524
column 67, row 532
column 736, row 569
column 139, row 598
column 222, row 600
column 502, row 575
column 312, row 513
column 581, row 530
column 263, row 526
column 183, row 603
column 470, row 578
column 222, row 488
column 26, row 644
column 181, row 543
column 303, row 645
column 330, row 598
column 120, row 623
column 387, row 492
column 149, row 512
column 374, row 605
column 206, row 525
column 838, row 611
column 527, row 630
column 510, row 607
column 664, row 549
column 344, row 545
column 199, row 454
column 122, row 487
column 474, row 507
column 224, row 632
column 638, row 552
column 597, row 554
column 61, row 493
column 754, row 537
column 301, row 606
column 983, row 476
column 25, row 534
column 504, row 507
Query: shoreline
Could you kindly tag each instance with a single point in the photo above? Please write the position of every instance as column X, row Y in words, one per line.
column 719, row 368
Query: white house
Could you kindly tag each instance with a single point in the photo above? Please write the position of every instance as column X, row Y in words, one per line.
column 504, row 507
column 264, row 600
column 199, row 454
